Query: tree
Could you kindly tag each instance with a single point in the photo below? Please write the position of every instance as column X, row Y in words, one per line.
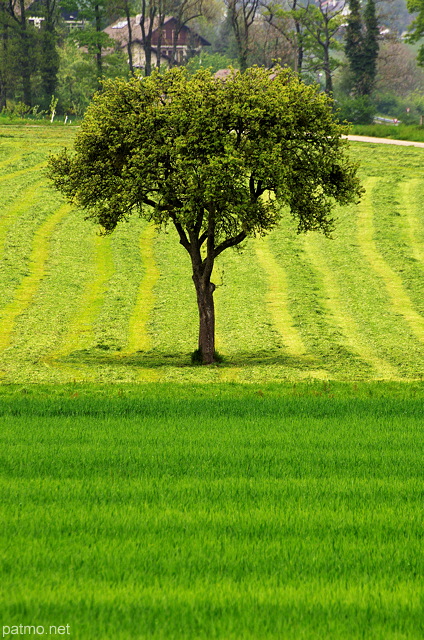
column 362, row 46
column 153, row 17
column 287, row 20
column 92, row 37
column 371, row 47
column 242, row 15
column 416, row 29
column 398, row 73
column 49, row 55
column 185, row 11
column 20, row 46
column 5, row 57
column 354, row 40
column 149, row 10
column 217, row 160
column 322, row 22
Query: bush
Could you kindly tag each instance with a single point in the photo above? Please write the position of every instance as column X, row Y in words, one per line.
column 406, row 109
column 360, row 110
column 16, row 109
column 213, row 61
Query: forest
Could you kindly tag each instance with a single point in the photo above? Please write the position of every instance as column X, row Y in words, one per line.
column 55, row 54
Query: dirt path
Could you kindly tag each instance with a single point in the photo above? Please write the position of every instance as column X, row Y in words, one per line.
column 403, row 143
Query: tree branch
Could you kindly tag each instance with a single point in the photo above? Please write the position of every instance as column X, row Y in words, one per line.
column 230, row 242
column 210, row 246
column 199, row 221
column 183, row 237
column 202, row 238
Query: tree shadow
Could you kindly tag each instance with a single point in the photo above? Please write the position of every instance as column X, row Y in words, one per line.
column 98, row 357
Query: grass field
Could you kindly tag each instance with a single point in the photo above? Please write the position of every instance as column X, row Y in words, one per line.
column 399, row 132
column 77, row 306
column 214, row 511
column 284, row 501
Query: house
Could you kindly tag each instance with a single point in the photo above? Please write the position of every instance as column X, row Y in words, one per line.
column 188, row 41
column 36, row 15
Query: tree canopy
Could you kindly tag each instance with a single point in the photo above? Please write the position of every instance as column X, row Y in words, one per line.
column 362, row 46
column 219, row 160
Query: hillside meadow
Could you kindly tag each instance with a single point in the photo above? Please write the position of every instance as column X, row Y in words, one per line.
column 277, row 495
column 76, row 306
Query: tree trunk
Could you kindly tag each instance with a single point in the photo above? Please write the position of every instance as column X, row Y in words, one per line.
column 129, row 44
column 99, row 61
column 159, row 45
column 25, row 56
column 327, row 69
column 147, row 34
column 299, row 48
column 3, row 65
column 204, row 291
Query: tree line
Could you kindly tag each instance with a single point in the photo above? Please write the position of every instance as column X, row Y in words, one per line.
column 43, row 54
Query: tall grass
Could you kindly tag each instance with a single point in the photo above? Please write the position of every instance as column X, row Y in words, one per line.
column 213, row 512
column 415, row 133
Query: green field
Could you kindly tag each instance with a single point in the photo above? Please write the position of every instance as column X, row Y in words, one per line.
column 398, row 132
column 282, row 501
column 79, row 306
column 214, row 511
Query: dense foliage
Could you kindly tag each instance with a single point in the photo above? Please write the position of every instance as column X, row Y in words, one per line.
column 45, row 56
column 416, row 30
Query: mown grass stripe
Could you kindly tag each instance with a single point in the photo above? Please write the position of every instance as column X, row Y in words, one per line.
column 409, row 194
column 278, row 299
column 400, row 301
column 332, row 299
column 24, row 198
column 21, row 172
column 28, row 287
column 11, row 159
column 139, row 338
column 81, row 332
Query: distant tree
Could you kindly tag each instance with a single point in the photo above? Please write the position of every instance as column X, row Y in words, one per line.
column 242, row 15
column 92, row 37
column 152, row 18
column 269, row 45
column 49, row 54
column 77, row 77
column 125, row 8
column 394, row 15
column 354, row 40
column 29, row 58
column 398, row 73
column 149, row 11
column 416, row 29
column 287, row 20
column 217, row 160
column 322, row 22
column 362, row 46
column 185, row 11
column 371, row 47
column 5, row 54
column 21, row 47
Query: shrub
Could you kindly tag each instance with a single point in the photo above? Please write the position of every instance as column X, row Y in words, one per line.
column 360, row 110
